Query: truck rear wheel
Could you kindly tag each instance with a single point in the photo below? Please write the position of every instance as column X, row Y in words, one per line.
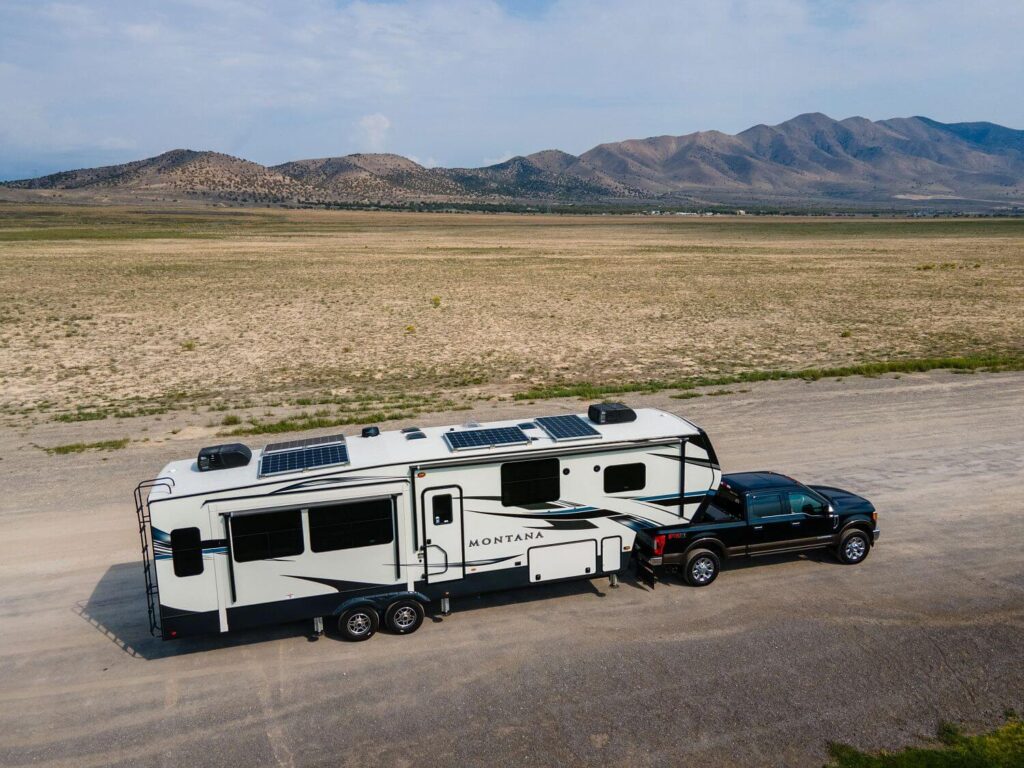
column 403, row 617
column 702, row 566
column 853, row 548
column 359, row 623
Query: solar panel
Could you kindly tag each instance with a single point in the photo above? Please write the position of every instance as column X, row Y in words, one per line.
column 306, row 442
column 570, row 427
column 485, row 438
column 283, row 461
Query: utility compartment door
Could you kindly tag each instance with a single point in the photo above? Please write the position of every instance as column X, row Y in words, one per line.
column 563, row 561
column 441, row 524
column 611, row 553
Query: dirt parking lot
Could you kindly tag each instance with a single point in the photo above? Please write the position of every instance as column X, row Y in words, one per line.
column 765, row 667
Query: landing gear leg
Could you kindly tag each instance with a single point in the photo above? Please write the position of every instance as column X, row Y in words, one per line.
column 318, row 628
column 446, row 607
column 613, row 580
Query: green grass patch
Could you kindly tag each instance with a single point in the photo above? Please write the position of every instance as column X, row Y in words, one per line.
column 81, row 416
column 1001, row 748
column 588, row 391
column 102, row 445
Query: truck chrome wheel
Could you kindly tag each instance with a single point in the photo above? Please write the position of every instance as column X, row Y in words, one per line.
column 703, row 570
column 853, row 548
column 701, row 567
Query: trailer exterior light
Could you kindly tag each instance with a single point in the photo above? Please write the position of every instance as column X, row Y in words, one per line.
column 659, row 544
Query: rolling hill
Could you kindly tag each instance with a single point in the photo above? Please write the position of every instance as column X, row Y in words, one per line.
column 809, row 159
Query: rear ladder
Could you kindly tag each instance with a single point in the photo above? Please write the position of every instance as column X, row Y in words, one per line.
column 146, row 539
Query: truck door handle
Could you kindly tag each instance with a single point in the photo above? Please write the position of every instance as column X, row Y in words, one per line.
column 758, row 527
column 795, row 523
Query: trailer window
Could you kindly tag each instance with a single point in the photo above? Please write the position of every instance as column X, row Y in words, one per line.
column 347, row 526
column 441, row 507
column 625, row 477
column 266, row 535
column 529, row 482
column 187, row 551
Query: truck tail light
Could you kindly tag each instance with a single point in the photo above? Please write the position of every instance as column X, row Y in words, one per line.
column 659, row 544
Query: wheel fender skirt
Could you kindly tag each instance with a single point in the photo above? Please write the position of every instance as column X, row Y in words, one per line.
column 380, row 602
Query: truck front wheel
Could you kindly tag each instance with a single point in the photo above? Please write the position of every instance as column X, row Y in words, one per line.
column 853, row 548
column 702, row 566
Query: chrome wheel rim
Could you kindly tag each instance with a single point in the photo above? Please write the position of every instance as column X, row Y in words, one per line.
column 855, row 548
column 358, row 624
column 405, row 617
column 703, row 570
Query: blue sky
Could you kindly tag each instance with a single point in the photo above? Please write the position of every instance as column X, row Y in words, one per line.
column 472, row 82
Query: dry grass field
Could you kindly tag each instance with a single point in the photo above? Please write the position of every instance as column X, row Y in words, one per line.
column 120, row 312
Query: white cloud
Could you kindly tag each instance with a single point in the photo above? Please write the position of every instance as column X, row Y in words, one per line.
column 375, row 131
column 460, row 80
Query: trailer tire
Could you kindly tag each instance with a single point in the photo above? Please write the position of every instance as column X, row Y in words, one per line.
column 403, row 617
column 359, row 623
column 702, row 566
column 853, row 547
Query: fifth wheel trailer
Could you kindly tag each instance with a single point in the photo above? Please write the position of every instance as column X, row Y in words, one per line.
column 368, row 530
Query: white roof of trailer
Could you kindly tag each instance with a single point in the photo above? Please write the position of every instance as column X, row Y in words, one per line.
column 393, row 448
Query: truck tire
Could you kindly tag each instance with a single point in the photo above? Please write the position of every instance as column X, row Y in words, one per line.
column 403, row 617
column 359, row 623
column 702, row 566
column 853, row 547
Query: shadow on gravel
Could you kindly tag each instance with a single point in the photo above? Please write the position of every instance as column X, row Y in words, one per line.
column 117, row 610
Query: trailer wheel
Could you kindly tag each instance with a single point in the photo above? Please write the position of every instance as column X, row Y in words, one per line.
column 702, row 567
column 403, row 617
column 359, row 623
column 853, row 548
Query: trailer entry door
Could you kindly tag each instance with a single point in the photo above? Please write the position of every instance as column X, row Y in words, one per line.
column 441, row 517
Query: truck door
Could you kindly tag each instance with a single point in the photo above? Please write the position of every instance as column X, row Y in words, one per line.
column 441, row 525
column 816, row 523
column 771, row 524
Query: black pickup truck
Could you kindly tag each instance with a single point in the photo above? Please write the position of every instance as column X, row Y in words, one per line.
column 759, row 513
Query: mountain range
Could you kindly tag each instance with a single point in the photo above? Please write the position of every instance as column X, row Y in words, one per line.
column 811, row 159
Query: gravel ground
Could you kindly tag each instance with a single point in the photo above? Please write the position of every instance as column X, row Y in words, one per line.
column 766, row 667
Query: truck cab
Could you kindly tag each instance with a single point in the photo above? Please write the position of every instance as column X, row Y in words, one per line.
column 759, row 513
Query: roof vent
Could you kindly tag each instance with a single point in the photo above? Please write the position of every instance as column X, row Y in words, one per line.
column 223, row 456
column 371, row 431
column 610, row 413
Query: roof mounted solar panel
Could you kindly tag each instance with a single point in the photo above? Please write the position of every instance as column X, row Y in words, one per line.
column 485, row 438
column 307, row 442
column 282, row 461
column 570, row 427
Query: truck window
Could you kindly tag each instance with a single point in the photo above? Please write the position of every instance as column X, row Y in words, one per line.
column 766, row 505
column 625, row 477
column 530, row 482
column 187, row 551
column 266, row 534
column 441, row 508
column 352, row 525
column 726, row 506
column 804, row 503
